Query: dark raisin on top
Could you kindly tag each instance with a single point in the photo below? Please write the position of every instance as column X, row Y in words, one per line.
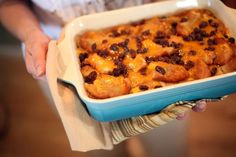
column 183, row 19
column 213, row 71
column 175, row 58
column 203, row 24
column 143, row 71
column 211, row 42
column 210, row 48
column 157, row 86
column 210, row 21
column 114, row 47
column 162, row 42
column 175, row 45
column 214, row 24
column 149, row 59
column 160, row 69
column 146, row 33
column 83, row 56
column 143, row 87
column 174, row 24
column 144, row 50
column 91, row 77
column 226, row 36
column 132, row 53
column 103, row 53
column 231, row 40
column 192, row 53
column 94, row 47
column 121, row 56
column 125, row 32
column 138, row 42
column 160, row 35
column 189, row 65
column 120, row 70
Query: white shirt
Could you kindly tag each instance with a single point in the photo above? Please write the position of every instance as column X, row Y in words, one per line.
column 53, row 14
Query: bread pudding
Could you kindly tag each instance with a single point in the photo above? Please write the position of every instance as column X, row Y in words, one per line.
column 154, row 53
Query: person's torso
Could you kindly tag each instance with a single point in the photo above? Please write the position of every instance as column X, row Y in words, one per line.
column 65, row 10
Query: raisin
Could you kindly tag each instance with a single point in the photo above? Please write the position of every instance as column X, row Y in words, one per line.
column 210, row 21
column 184, row 19
column 176, row 59
column 114, row 47
column 160, row 70
column 157, row 86
column 149, row 59
column 120, row 70
column 91, row 77
column 103, row 53
column 226, row 36
column 231, row 40
column 192, row 53
column 144, row 50
column 143, row 71
column 210, row 48
column 212, row 33
column 162, row 42
column 164, row 59
column 160, row 35
column 124, row 32
column 132, row 53
column 199, row 37
column 197, row 30
column 213, row 71
column 175, row 45
column 210, row 42
column 146, row 32
column 174, row 24
column 214, row 24
column 203, row 24
column 116, row 72
column 188, row 38
column 83, row 56
column 143, row 87
column 121, row 56
column 139, row 42
column 94, row 47
column 189, row 65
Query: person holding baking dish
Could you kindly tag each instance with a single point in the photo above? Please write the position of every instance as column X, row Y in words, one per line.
column 36, row 22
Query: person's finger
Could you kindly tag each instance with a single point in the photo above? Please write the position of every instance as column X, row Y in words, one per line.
column 29, row 63
column 39, row 60
column 200, row 106
column 182, row 116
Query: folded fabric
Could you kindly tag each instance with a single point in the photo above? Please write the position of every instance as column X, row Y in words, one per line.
column 126, row 128
column 85, row 133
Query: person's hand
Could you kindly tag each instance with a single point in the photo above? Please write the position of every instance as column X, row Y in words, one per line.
column 36, row 45
column 199, row 107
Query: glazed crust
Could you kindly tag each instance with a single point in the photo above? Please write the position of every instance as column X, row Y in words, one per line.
column 155, row 52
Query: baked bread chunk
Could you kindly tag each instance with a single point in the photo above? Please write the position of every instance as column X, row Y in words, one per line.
column 155, row 52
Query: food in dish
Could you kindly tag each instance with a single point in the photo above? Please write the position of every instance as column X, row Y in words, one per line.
column 154, row 53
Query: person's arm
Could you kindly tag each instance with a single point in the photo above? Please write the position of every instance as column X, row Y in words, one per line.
column 18, row 18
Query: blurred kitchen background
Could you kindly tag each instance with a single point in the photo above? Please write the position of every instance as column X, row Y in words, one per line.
column 33, row 130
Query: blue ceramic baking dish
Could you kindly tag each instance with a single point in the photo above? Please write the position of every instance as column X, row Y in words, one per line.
column 148, row 101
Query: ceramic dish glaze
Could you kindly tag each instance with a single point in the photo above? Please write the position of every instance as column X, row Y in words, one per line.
column 153, row 100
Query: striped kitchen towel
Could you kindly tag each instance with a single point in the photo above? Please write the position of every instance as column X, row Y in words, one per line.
column 123, row 129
